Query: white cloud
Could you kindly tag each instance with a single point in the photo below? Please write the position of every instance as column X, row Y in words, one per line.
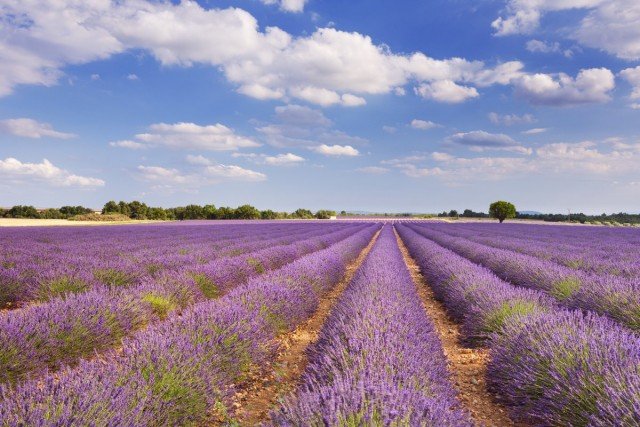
column 132, row 77
column 29, row 128
column 12, row 169
column 590, row 86
column 606, row 160
column 300, row 126
column 535, row 131
column 423, row 124
column 609, row 25
column 543, row 46
column 283, row 159
column 480, row 138
column 198, row 160
column 163, row 175
column 446, row 91
column 328, row 67
column 632, row 75
column 336, row 150
column 206, row 173
column 389, row 129
column 441, row 157
column 234, row 173
column 189, row 136
column 127, row 143
column 511, row 119
column 95, row 77
column 288, row 5
column 299, row 115
column 373, row 170
column 349, row 100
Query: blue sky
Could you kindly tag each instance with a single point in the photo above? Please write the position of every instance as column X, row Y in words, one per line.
column 359, row 105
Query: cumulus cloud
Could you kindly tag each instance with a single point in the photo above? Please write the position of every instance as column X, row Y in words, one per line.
column 609, row 25
column 336, row 150
column 203, row 172
column 299, row 115
column 283, row 159
column 389, row 129
column 288, row 5
column 373, row 170
column 484, row 141
column 511, row 119
column 589, row 86
column 188, row 136
column 534, row 131
column 607, row 159
column 13, row 170
column 29, row 128
column 301, row 126
column 542, row 46
column 446, row 91
column 423, row 124
column 327, row 67
column 632, row 75
column 127, row 143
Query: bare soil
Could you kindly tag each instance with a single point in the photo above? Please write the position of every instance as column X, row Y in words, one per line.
column 467, row 366
column 269, row 384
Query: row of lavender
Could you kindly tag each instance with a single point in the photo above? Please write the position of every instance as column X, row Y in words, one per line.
column 600, row 252
column 550, row 365
column 176, row 372
column 378, row 360
column 615, row 297
column 41, row 264
column 45, row 337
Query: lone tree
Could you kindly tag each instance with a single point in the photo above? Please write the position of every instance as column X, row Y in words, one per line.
column 502, row 210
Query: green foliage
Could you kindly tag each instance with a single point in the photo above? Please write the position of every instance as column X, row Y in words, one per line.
column 565, row 288
column 206, row 285
column 302, row 214
column 61, row 286
column 247, row 212
column 496, row 319
column 113, row 277
column 325, row 214
column 502, row 210
column 160, row 305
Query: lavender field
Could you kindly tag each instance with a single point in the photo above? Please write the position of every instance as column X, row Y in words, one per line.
column 319, row 323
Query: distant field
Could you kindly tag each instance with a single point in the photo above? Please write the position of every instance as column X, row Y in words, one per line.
column 359, row 323
column 29, row 222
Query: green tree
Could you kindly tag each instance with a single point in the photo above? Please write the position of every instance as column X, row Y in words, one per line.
column 247, row 212
column 303, row 214
column 210, row 212
column 325, row 214
column 123, row 208
column 51, row 213
column 110, row 207
column 193, row 212
column 20, row 211
column 156, row 213
column 502, row 210
column 268, row 214
column 138, row 210
column 453, row 213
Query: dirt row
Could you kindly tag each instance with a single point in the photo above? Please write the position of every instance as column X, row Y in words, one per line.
column 467, row 366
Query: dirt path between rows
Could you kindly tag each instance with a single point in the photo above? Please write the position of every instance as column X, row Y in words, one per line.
column 268, row 385
column 467, row 366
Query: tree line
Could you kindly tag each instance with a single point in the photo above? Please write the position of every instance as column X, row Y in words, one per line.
column 140, row 210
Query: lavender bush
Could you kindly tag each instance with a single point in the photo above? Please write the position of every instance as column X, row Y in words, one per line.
column 550, row 366
column 173, row 372
column 378, row 360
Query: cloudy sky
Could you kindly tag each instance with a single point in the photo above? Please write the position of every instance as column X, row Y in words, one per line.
column 359, row 105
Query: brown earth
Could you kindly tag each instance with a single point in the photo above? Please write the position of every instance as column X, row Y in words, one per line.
column 269, row 384
column 467, row 366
